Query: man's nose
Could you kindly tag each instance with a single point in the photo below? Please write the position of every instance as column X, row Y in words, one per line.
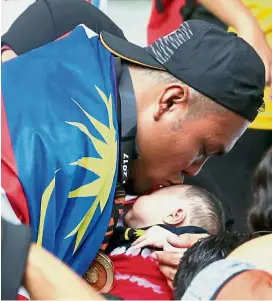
column 195, row 168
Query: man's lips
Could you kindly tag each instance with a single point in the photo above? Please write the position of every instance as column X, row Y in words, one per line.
column 166, row 184
column 175, row 182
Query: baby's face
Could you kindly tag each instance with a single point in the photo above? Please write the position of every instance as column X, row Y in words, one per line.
column 143, row 212
column 151, row 209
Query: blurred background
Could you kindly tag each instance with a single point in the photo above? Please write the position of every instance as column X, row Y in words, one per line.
column 122, row 12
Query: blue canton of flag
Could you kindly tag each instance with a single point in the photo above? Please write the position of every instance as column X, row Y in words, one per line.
column 59, row 102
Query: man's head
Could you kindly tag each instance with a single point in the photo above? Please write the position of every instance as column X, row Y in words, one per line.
column 196, row 89
column 203, row 253
column 178, row 129
column 178, row 205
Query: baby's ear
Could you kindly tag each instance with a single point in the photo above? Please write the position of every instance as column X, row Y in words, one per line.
column 176, row 217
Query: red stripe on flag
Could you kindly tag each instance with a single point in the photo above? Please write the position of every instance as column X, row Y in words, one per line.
column 64, row 36
column 9, row 173
column 21, row 297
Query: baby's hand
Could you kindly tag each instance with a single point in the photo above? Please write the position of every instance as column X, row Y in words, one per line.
column 155, row 237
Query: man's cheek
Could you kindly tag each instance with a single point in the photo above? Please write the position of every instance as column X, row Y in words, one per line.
column 189, row 157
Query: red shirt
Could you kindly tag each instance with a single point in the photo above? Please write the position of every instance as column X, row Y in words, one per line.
column 137, row 276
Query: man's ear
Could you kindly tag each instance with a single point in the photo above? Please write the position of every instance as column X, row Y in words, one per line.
column 177, row 217
column 172, row 94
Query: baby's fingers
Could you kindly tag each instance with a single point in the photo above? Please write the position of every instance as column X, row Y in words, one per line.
column 143, row 243
column 141, row 238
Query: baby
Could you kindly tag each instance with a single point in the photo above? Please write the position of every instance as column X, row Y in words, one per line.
column 147, row 223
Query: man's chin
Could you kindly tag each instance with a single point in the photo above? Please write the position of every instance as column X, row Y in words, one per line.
column 137, row 188
column 139, row 181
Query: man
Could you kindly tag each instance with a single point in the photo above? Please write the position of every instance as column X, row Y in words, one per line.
column 233, row 181
column 169, row 113
column 232, row 174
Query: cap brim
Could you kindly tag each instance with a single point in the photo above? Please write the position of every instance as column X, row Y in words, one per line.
column 129, row 51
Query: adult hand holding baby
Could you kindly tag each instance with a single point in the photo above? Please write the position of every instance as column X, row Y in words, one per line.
column 169, row 260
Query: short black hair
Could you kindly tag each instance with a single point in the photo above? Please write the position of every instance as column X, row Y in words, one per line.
column 260, row 215
column 207, row 211
column 203, row 253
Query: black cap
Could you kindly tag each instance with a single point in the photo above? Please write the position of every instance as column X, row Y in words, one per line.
column 214, row 62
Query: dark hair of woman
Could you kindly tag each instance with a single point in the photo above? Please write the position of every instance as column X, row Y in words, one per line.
column 260, row 214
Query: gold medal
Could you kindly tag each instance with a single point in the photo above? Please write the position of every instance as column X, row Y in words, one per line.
column 100, row 273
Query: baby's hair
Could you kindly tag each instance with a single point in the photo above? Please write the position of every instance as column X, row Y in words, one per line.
column 206, row 210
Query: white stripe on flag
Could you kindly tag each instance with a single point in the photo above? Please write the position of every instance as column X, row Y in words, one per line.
column 22, row 291
column 7, row 211
column 88, row 31
column 130, row 197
